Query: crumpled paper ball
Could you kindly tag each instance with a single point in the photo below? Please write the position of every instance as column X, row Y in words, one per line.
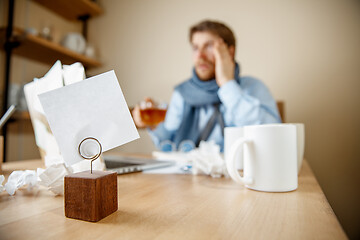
column 17, row 179
column 208, row 160
column 53, row 177
column 2, row 178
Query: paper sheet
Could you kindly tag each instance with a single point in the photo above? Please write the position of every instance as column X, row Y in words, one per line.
column 95, row 107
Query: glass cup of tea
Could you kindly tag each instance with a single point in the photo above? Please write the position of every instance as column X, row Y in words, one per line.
column 152, row 113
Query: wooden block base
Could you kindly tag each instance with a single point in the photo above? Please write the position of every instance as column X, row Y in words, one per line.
column 90, row 197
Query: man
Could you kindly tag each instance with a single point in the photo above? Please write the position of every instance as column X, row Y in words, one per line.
column 215, row 96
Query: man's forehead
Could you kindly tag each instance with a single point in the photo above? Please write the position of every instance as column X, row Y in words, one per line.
column 203, row 37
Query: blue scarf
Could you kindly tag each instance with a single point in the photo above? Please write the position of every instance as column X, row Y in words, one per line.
column 197, row 94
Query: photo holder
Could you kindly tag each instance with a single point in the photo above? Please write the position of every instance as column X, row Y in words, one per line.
column 91, row 158
column 88, row 195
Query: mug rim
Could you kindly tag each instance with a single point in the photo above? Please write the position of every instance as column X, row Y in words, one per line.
column 265, row 125
column 281, row 125
column 233, row 127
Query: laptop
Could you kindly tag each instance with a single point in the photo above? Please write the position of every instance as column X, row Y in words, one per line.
column 125, row 164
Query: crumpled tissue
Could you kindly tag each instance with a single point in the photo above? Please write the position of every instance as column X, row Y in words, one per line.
column 2, row 178
column 53, row 177
column 208, row 160
column 17, row 179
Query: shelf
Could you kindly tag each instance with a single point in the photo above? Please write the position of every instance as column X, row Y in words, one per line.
column 22, row 115
column 72, row 9
column 45, row 51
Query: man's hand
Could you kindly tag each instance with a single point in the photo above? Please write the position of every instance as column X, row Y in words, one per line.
column 224, row 63
column 146, row 103
column 137, row 117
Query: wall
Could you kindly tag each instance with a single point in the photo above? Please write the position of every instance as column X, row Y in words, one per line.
column 307, row 53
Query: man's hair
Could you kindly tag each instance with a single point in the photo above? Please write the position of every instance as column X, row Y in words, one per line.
column 216, row 28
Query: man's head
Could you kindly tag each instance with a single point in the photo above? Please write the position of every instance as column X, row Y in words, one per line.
column 202, row 38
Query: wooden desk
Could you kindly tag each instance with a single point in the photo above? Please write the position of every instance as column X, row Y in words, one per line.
column 176, row 207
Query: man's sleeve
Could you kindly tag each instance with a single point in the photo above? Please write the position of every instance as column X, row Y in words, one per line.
column 167, row 129
column 248, row 104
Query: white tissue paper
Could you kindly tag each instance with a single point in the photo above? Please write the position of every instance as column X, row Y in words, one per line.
column 53, row 177
column 73, row 73
column 17, row 179
column 207, row 160
column 2, row 178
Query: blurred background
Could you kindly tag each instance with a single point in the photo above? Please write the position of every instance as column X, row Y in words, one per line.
column 307, row 52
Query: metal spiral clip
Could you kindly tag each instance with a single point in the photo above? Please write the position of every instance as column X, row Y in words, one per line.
column 94, row 157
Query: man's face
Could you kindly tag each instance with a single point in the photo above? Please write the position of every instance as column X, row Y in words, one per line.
column 203, row 56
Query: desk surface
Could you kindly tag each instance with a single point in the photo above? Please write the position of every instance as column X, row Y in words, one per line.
column 176, row 207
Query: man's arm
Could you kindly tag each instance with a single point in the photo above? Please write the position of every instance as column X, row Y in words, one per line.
column 249, row 104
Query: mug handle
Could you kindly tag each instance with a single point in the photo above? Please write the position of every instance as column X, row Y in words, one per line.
column 230, row 164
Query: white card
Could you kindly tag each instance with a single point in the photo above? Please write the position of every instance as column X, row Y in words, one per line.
column 94, row 107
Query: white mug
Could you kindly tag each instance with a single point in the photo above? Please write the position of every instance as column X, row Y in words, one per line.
column 300, row 138
column 269, row 156
column 231, row 134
